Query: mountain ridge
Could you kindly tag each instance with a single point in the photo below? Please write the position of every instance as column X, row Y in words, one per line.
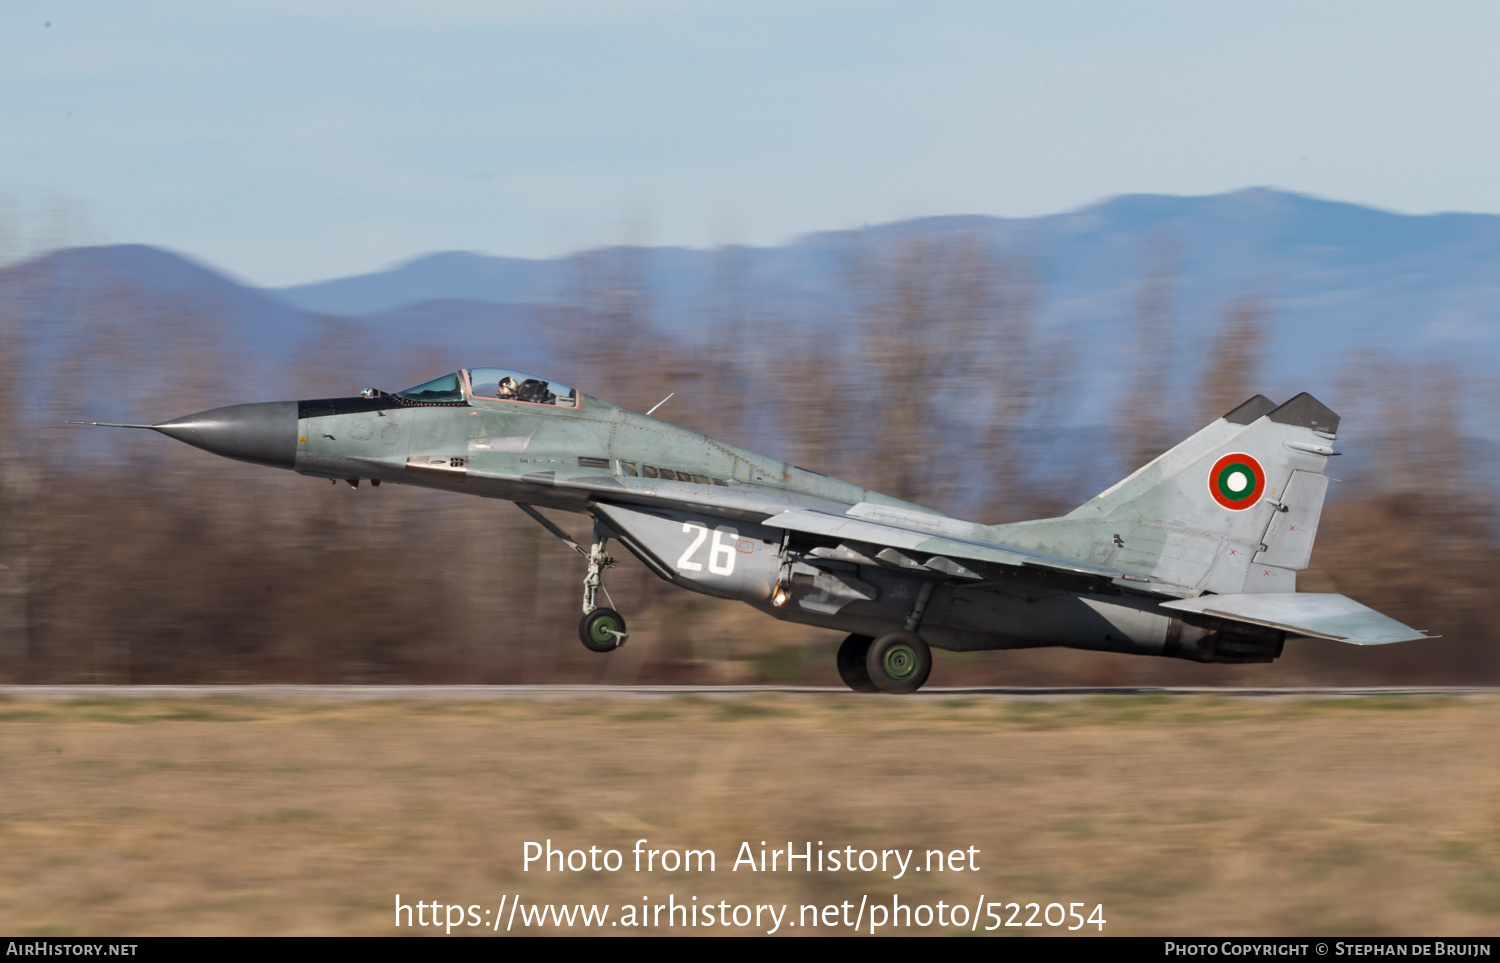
column 1336, row 281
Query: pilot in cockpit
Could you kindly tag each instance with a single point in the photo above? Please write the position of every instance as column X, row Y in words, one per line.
column 507, row 390
column 533, row 390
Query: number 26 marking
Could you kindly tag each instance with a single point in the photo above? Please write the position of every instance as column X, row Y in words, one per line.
column 720, row 553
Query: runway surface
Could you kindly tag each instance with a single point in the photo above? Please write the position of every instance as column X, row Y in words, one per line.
column 542, row 692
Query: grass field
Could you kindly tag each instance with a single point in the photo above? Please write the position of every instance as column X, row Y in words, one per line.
column 1181, row 815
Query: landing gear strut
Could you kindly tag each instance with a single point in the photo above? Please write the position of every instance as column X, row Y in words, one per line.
column 602, row 629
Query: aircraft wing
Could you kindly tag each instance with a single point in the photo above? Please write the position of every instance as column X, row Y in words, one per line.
column 1321, row 616
column 1317, row 616
column 895, row 537
column 947, row 552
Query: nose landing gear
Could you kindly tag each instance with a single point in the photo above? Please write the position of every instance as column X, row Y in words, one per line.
column 602, row 629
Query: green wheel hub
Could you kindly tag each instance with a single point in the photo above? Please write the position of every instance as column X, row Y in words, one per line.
column 603, row 630
column 900, row 661
column 598, row 630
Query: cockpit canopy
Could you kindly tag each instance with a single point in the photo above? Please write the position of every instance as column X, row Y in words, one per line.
column 490, row 384
column 499, row 384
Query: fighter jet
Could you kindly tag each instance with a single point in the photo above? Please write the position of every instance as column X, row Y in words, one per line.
column 1194, row 556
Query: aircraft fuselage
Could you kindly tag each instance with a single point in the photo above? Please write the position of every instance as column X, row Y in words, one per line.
column 1194, row 556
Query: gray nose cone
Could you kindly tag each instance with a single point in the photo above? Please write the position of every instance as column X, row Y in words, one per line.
column 263, row 434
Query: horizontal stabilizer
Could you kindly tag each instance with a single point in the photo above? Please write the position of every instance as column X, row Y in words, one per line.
column 1333, row 617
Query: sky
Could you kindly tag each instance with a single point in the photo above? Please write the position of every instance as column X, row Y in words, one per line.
column 288, row 142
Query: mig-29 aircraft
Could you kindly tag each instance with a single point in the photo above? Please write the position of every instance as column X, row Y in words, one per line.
column 1194, row 556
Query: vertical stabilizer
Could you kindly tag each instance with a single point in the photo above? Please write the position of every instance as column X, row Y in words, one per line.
column 1233, row 509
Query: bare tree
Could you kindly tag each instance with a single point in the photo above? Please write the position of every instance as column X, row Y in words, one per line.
column 35, row 382
column 17, row 478
column 607, row 320
column 809, row 394
column 951, row 367
column 1234, row 358
column 1143, row 427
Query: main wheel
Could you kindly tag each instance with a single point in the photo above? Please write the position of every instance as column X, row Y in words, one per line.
column 898, row 662
column 598, row 628
column 852, row 663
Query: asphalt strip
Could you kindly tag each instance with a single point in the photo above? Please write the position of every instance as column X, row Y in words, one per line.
column 544, row 692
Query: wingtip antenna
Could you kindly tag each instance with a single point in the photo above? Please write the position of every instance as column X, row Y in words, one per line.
column 659, row 404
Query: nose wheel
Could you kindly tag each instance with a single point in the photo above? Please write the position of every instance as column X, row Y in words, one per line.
column 602, row 630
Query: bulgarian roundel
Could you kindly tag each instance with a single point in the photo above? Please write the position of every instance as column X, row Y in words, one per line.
column 1237, row 481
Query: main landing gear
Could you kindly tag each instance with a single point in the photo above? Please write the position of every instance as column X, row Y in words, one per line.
column 601, row 629
column 897, row 662
column 852, row 664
